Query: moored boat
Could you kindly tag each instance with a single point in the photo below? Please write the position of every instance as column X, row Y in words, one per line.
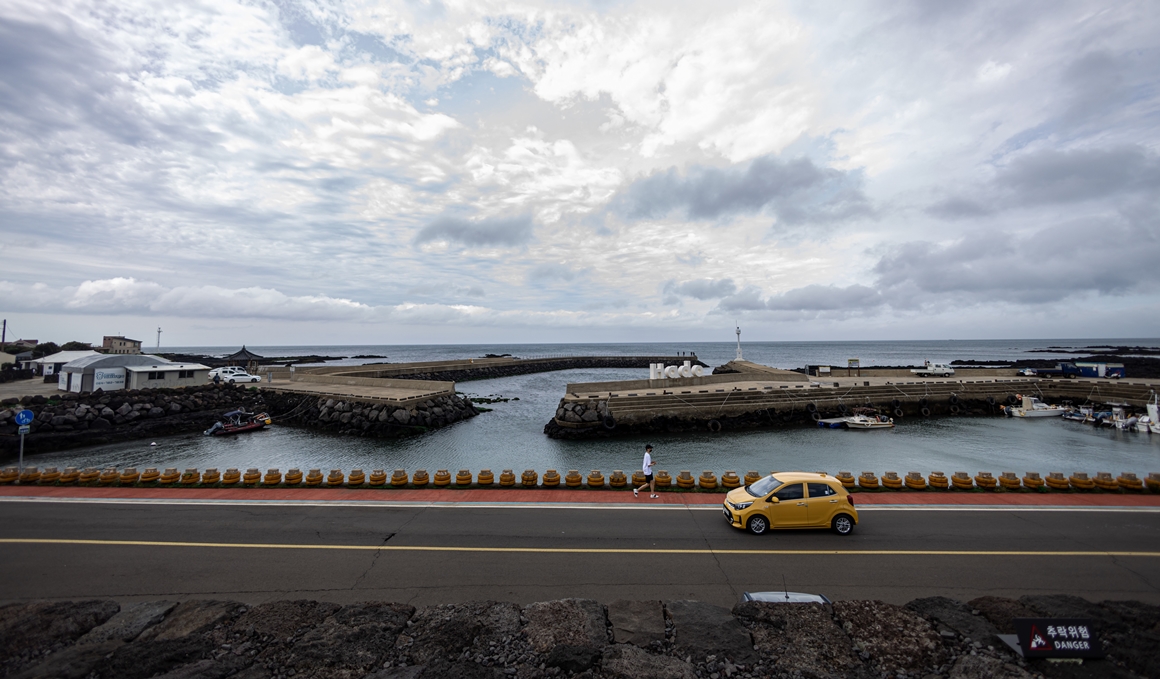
column 237, row 422
column 1033, row 407
column 869, row 422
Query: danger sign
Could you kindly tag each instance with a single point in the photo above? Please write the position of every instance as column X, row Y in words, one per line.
column 1058, row 638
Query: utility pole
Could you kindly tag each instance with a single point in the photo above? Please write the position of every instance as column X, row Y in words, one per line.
column 4, row 335
column 158, row 338
column 739, row 344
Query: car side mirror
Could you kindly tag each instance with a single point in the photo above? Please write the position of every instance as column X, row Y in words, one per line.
column 773, row 499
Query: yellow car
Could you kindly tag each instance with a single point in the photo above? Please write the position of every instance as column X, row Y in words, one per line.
column 792, row 500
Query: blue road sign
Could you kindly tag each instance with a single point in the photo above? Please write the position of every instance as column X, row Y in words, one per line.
column 24, row 417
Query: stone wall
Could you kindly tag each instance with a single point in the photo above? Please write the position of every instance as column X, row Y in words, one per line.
column 932, row 637
column 486, row 372
column 378, row 419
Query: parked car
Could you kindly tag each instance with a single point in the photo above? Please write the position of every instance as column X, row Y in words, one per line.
column 227, row 371
column 792, row 500
column 240, row 377
column 1028, row 372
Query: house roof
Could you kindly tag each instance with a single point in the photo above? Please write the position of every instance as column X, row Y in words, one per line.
column 166, row 366
column 243, row 354
column 117, row 361
column 65, row 357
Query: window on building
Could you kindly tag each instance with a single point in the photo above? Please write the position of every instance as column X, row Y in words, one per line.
column 157, row 375
column 184, row 374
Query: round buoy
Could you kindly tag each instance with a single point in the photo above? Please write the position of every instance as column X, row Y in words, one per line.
column 925, row 411
column 954, row 399
column 896, row 403
column 990, row 400
column 898, row 412
column 954, row 410
column 811, row 408
column 609, row 422
column 714, row 426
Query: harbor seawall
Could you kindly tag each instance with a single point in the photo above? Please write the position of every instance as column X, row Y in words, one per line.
column 484, row 368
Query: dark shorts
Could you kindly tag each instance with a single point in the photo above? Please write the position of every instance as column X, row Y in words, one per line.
column 648, row 478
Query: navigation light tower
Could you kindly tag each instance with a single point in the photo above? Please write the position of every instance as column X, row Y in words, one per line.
column 739, row 343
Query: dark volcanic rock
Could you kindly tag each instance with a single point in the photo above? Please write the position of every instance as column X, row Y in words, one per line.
column 572, row 658
column 982, row 667
column 894, row 638
column 571, row 622
column 357, row 637
column 1000, row 611
column 704, row 629
column 624, row 661
column 71, row 663
column 801, row 639
column 190, row 617
column 142, row 659
column 30, row 630
column 129, row 622
column 957, row 616
column 449, row 630
column 637, row 622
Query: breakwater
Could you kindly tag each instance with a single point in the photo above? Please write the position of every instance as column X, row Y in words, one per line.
column 744, row 400
column 353, row 416
column 465, row 370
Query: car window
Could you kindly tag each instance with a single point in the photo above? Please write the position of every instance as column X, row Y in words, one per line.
column 760, row 487
column 791, row 491
column 821, row 490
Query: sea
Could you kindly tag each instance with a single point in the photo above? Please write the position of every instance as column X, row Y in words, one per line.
column 510, row 436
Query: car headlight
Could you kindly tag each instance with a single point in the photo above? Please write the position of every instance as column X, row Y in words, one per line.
column 740, row 505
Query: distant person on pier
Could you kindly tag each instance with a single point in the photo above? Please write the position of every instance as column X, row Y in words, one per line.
column 649, row 481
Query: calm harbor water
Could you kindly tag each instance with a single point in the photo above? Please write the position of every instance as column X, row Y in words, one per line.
column 511, row 435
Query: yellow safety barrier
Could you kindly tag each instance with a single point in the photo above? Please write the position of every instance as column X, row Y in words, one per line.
column 210, row 476
column 663, row 479
column 1009, row 481
column 168, row 477
column 30, row 475
column 914, row 481
column 9, row 475
column 251, row 477
column 868, row 480
column 595, row 479
column 420, row 479
column 399, row 478
column 107, row 477
column 1104, row 481
column 1057, row 481
column 335, row 477
column 272, row 478
column 150, row 475
column 378, row 478
column 1080, row 481
column 507, row 478
column 962, row 481
column 845, row 478
column 986, row 481
column 551, row 478
column 293, row 477
column 1153, row 482
column 890, row 481
column 485, row 478
column 1032, row 481
column 89, row 475
column 1128, row 481
column 463, row 478
column 708, row 480
column 753, row 477
column 314, row 477
column 638, row 479
column 356, row 478
column 189, row 477
column 442, row 478
column 129, row 476
column 685, row 479
column 573, row 479
column 618, row 479
column 49, row 475
column 529, row 478
column 939, row 481
column 730, row 479
column 232, row 477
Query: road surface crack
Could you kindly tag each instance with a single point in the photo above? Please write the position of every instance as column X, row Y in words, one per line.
column 713, row 552
column 374, row 560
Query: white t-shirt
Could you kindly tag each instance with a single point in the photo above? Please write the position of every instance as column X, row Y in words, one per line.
column 647, row 466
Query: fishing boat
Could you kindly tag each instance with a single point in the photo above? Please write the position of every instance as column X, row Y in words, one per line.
column 1084, row 414
column 237, row 422
column 869, row 422
column 1153, row 417
column 1033, row 407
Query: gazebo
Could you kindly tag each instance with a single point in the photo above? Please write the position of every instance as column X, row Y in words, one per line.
column 244, row 357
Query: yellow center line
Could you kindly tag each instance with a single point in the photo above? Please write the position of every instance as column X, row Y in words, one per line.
column 569, row 550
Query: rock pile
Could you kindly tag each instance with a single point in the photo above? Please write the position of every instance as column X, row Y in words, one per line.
column 377, row 419
column 935, row 637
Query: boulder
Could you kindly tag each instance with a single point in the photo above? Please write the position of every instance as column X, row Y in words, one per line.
column 982, row 667
column 895, row 639
column 800, row 639
column 957, row 616
column 35, row 628
column 357, row 637
column 190, row 617
column 74, row 662
column 637, row 622
column 704, row 629
column 129, row 622
column 573, row 659
column 447, row 631
column 572, row 622
column 624, row 661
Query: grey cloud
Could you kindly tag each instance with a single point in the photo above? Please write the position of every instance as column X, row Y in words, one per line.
column 797, row 191
column 809, row 299
column 492, row 231
column 704, row 288
column 552, row 271
column 958, row 208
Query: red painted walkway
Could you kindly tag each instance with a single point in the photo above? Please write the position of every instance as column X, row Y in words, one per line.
column 566, row 496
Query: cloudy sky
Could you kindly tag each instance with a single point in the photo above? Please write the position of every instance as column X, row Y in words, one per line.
column 341, row 172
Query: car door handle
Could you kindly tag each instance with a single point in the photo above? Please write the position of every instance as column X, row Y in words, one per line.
column 833, row 502
column 801, row 504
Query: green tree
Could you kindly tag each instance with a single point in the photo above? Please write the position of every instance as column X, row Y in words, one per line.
column 76, row 346
column 45, row 349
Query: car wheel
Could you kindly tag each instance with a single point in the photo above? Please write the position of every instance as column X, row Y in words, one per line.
column 231, row 380
column 758, row 524
column 254, row 380
column 842, row 524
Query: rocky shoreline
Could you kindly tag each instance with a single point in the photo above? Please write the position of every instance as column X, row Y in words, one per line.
column 71, row 420
column 930, row 637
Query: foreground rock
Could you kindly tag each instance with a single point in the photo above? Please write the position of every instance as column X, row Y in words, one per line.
column 934, row 637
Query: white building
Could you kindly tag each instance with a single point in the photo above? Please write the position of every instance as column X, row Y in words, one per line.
column 111, row 372
column 51, row 365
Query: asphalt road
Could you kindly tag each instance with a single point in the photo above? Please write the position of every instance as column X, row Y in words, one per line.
column 345, row 554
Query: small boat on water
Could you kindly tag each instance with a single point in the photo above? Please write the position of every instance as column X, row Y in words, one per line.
column 1084, row 414
column 237, row 422
column 869, row 422
column 1033, row 407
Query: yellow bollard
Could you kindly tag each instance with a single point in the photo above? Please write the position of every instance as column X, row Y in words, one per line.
column 551, row 478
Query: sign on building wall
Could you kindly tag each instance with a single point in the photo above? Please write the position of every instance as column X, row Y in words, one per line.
column 62, row 382
column 108, row 379
column 75, row 381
